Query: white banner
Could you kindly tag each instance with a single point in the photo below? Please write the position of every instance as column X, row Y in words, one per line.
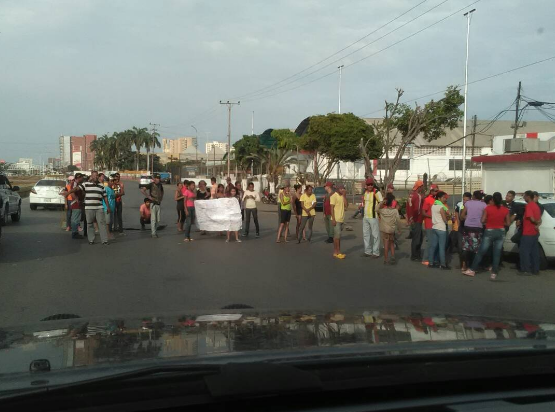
column 218, row 214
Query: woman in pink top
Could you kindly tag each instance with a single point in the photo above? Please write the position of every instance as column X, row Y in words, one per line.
column 189, row 197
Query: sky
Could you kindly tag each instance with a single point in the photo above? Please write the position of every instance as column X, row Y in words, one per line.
column 74, row 67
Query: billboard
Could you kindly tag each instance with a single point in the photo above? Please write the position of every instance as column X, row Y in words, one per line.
column 76, row 159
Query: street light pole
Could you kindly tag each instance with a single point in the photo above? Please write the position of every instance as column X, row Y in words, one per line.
column 468, row 16
column 196, row 147
column 229, row 105
column 340, row 70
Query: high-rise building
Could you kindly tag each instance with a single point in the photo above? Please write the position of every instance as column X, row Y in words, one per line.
column 178, row 145
column 220, row 145
column 65, row 151
column 81, row 154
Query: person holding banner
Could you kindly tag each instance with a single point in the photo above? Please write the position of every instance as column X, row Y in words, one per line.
column 285, row 212
column 233, row 194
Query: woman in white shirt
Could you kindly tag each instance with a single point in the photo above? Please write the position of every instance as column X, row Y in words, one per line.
column 439, row 230
column 250, row 197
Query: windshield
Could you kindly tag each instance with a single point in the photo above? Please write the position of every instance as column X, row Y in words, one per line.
column 418, row 117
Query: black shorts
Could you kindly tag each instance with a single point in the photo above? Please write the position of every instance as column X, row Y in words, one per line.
column 285, row 216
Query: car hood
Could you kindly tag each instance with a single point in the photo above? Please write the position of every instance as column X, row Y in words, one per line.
column 79, row 342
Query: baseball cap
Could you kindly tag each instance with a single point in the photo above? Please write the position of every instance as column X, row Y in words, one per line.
column 329, row 184
column 418, row 184
column 156, row 175
column 390, row 186
column 78, row 175
column 369, row 181
column 434, row 187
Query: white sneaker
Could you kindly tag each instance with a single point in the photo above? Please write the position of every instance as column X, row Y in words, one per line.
column 239, row 241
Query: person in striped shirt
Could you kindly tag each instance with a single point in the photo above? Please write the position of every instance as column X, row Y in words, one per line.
column 94, row 211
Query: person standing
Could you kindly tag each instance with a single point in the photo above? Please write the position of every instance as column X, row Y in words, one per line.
column 370, row 225
column 220, row 192
column 156, row 194
column 111, row 196
column 529, row 250
column 458, row 226
column 414, row 219
column 240, row 192
column 119, row 189
column 202, row 194
column 438, row 241
column 250, row 197
column 296, row 207
column 189, row 199
column 495, row 217
column 338, row 203
column 213, row 188
column 75, row 204
column 180, row 205
column 285, row 204
column 94, row 194
column 389, row 221
column 426, row 214
column 327, row 211
column 69, row 200
column 233, row 194
column 308, row 205
column 473, row 227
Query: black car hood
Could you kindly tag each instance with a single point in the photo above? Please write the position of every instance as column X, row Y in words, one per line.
column 80, row 342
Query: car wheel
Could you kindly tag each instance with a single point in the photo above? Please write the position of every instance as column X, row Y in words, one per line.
column 4, row 220
column 33, row 207
column 543, row 259
column 17, row 216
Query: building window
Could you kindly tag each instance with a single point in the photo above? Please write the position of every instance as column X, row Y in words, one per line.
column 404, row 164
column 429, row 150
column 456, row 164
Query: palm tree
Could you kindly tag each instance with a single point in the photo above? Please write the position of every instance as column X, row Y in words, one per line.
column 275, row 159
column 138, row 138
column 150, row 144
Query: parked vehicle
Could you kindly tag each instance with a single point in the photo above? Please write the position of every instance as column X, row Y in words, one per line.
column 320, row 193
column 46, row 193
column 547, row 233
column 145, row 180
column 165, row 177
column 10, row 204
column 269, row 198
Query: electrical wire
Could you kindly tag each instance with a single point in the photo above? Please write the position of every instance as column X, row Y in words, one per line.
column 472, row 82
column 351, row 53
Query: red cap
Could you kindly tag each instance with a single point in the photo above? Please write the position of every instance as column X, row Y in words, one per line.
column 369, row 181
column 434, row 186
column 329, row 184
column 390, row 186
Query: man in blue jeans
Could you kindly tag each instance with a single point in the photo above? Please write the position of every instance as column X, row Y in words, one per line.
column 529, row 248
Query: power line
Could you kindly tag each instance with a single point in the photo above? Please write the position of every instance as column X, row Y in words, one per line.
column 364, row 58
column 472, row 82
column 263, row 90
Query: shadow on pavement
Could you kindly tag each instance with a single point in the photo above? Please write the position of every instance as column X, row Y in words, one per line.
column 22, row 247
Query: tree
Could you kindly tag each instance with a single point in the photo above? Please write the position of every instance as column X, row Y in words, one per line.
column 245, row 148
column 338, row 137
column 274, row 160
column 285, row 139
column 72, row 168
column 138, row 138
column 402, row 124
column 151, row 143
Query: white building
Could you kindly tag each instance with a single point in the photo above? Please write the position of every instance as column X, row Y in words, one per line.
column 220, row 145
column 178, row 145
column 65, row 151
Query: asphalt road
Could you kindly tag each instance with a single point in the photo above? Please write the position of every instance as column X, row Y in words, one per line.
column 44, row 272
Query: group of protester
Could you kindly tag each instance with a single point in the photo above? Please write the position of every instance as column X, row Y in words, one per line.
column 95, row 202
column 479, row 222
column 479, row 226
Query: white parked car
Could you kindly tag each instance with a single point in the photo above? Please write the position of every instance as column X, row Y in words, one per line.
column 46, row 193
column 145, row 180
column 547, row 233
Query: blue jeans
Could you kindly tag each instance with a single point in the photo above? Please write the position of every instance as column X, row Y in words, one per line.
column 68, row 213
column 428, row 235
column 491, row 237
column 189, row 221
column 529, row 250
column 75, row 221
column 437, row 246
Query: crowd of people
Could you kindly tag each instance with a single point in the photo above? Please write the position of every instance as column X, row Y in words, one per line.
column 475, row 228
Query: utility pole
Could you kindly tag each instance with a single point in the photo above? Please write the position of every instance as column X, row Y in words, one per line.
column 252, row 124
column 516, row 111
column 196, row 148
column 153, row 145
column 340, row 70
column 468, row 16
column 474, row 124
column 229, row 105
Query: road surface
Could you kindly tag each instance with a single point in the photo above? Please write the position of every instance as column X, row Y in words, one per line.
column 44, row 272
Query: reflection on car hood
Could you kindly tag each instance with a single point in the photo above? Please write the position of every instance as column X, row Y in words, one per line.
column 82, row 342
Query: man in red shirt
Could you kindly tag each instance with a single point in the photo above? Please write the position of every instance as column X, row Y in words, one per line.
column 426, row 216
column 529, row 249
column 414, row 219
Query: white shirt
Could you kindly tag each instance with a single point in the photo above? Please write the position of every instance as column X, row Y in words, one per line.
column 251, row 203
column 437, row 220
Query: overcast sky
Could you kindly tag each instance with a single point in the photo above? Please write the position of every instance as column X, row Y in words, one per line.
column 76, row 67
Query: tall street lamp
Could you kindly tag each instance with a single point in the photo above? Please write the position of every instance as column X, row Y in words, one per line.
column 468, row 16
